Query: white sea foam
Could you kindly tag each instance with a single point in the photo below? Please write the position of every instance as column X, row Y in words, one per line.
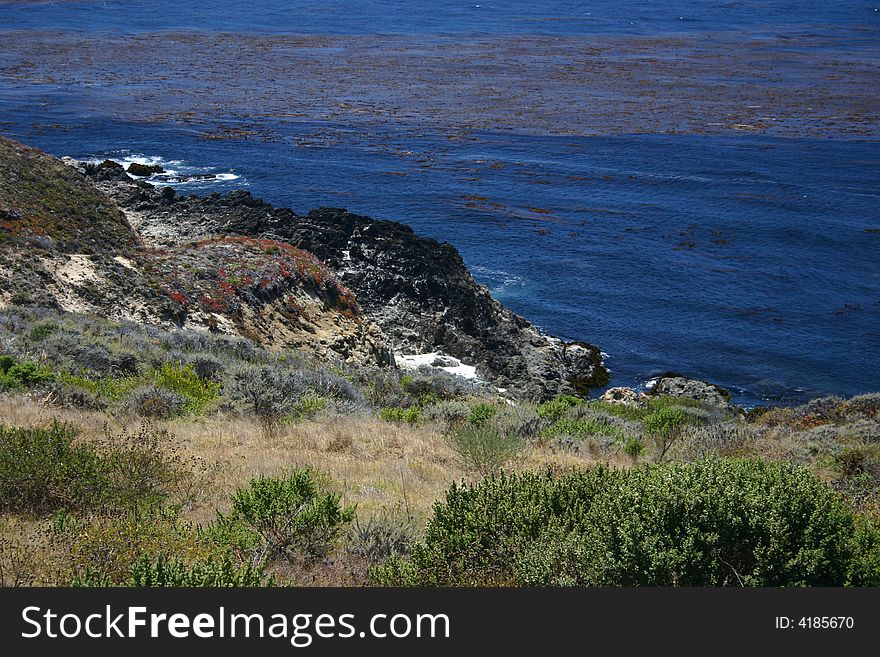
column 176, row 172
column 451, row 365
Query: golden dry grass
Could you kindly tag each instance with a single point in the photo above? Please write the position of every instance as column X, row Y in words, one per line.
column 373, row 463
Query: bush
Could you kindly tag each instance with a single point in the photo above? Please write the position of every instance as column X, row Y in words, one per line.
column 283, row 516
column 383, row 536
column 666, row 423
column 485, row 449
column 720, row 440
column 42, row 470
column 633, row 448
column 556, row 408
column 448, row 413
column 161, row 571
column 266, row 390
column 100, row 549
column 145, row 469
column 475, row 536
column 155, row 402
column 482, row 413
column 865, row 566
column 423, row 387
column 589, row 423
column 308, row 406
column 207, row 367
column 867, row 404
column 182, row 380
column 521, row 421
column 411, row 415
column 14, row 376
column 712, row 523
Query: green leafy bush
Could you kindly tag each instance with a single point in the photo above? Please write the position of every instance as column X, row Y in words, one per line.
column 865, row 566
column 106, row 387
column 182, row 379
column 283, row 516
column 666, row 421
column 476, row 535
column 42, row 330
column 482, row 413
column 161, row 571
column 633, row 448
column 556, row 408
column 43, row 470
column 308, row 406
column 583, row 427
column 411, row 415
column 711, row 523
column 14, row 376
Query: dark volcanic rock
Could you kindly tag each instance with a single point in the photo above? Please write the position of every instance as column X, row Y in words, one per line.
column 137, row 169
column 417, row 289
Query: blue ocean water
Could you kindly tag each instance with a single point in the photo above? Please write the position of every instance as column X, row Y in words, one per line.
column 438, row 17
column 748, row 260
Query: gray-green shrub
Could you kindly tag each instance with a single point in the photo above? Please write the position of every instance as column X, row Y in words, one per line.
column 710, row 523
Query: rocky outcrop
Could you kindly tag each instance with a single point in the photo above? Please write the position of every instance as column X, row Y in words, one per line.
column 418, row 290
column 676, row 385
column 138, row 169
column 624, row 397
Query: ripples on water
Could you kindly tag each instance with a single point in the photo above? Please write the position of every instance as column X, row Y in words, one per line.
column 744, row 258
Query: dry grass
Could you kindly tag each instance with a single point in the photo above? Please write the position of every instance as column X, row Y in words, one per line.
column 372, row 463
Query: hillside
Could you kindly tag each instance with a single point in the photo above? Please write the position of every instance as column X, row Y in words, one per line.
column 66, row 245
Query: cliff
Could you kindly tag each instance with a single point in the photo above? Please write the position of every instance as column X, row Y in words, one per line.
column 330, row 282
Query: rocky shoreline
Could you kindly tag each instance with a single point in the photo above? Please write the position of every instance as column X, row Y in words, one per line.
column 417, row 290
column 226, row 263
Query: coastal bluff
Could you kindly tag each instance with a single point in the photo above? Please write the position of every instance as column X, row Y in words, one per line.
column 342, row 286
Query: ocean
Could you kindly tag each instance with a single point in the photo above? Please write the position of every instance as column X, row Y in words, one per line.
column 691, row 186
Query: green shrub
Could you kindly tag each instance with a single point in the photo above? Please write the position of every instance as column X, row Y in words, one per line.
column 485, row 448
column 665, row 424
column 308, row 406
column 105, row 387
column 42, row 470
column 411, row 415
column 711, row 523
column 634, row 448
column 625, row 411
column 556, row 408
column 482, row 413
column 666, row 421
column 104, row 547
column 476, row 535
column 584, row 427
column 14, row 376
column 161, row 571
column 865, row 566
column 145, row 469
column 283, row 516
column 182, row 379
column 42, row 330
